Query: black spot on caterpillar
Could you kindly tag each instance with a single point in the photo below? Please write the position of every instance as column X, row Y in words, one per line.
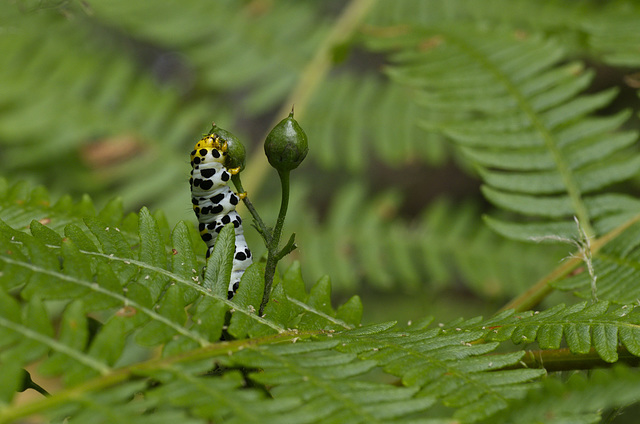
column 215, row 204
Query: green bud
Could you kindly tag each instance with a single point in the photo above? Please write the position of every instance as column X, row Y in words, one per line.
column 236, row 155
column 286, row 145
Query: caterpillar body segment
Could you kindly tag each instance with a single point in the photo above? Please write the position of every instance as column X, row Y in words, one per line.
column 214, row 203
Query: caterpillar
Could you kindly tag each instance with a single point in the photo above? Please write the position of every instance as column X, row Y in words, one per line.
column 214, row 203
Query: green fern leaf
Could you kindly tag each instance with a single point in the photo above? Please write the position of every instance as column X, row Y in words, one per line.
column 74, row 334
column 249, row 296
column 373, row 113
column 535, row 115
column 323, row 378
column 218, row 399
column 183, row 259
column 446, row 365
column 218, row 272
column 363, row 237
column 580, row 400
column 598, row 326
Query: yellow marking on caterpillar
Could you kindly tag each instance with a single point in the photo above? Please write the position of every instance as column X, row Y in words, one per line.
column 210, row 142
column 234, row 171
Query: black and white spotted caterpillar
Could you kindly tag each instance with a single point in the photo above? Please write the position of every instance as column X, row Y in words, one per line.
column 214, row 203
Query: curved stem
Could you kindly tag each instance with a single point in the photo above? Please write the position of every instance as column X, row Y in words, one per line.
column 260, row 225
column 271, row 238
column 284, row 205
column 273, row 255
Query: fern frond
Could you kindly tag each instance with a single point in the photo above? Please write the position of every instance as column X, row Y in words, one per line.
column 111, row 121
column 318, row 380
column 96, row 113
column 521, row 120
column 139, row 281
column 327, row 383
column 136, row 285
column 151, row 238
column 312, row 380
column 95, row 397
column 365, row 240
column 219, row 399
column 21, row 203
column 604, row 31
column 445, row 364
column 611, row 37
column 584, row 327
column 230, row 45
column 580, row 400
column 376, row 120
column 311, row 383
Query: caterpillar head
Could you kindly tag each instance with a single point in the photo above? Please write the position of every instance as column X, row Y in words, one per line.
column 235, row 157
column 231, row 150
column 210, row 148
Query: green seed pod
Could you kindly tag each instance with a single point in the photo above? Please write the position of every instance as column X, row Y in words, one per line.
column 286, row 145
column 236, row 155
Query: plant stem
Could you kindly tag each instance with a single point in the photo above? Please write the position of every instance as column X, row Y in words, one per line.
column 563, row 360
column 271, row 238
column 284, row 205
column 273, row 255
column 262, row 228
